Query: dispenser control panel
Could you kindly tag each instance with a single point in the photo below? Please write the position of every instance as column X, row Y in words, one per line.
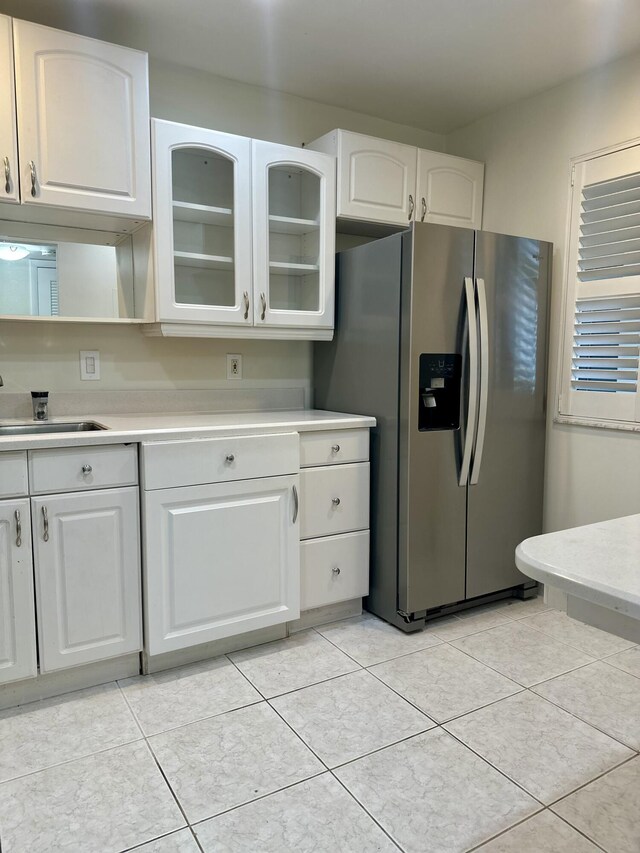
column 439, row 389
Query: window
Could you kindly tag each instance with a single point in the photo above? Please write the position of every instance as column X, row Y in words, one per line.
column 601, row 346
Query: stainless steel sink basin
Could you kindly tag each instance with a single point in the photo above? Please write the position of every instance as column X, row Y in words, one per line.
column 43, row 428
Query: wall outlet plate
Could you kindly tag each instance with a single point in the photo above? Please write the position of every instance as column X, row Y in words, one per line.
column 234, row 366
column 89, row 364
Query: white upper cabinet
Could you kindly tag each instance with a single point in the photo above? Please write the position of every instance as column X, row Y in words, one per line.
column 83, row 122
column 10, row 189
column 294, row 236
column 449, row 190
column 384, row 182
column 202, row 213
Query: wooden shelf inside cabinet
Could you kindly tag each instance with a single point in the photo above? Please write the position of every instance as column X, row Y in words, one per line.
column 211, row 262
column 292, row 225
column 282, row 268
column 203, row 214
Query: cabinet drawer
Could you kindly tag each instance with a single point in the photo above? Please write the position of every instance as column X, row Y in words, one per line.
column 167, row 464
column 335, row 568
column 334, row 499
column 333, row 447
column 71, row 469
column 13, row 474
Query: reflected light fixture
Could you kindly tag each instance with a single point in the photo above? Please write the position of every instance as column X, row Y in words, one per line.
column 9, row 252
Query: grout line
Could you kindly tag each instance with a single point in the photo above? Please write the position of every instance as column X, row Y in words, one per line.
column 579, row 831
column 591, row 781
column 367, row 812
column 153, row 840
column 168, row 784
column 505, row 831
column 196, row 839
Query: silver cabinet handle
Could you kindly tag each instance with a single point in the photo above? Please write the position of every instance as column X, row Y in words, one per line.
column 336, row 570
column 229, row 458
column 87, row 469
column 45, row 520
column 245, row 296
column 263, row 301
column 34, row 179
column 296, row 504
column 7, row 175
column 335, row 501
column 335, row 448
column 18, row 529
column 483, row 329
column 472, row 402
column 424, row 209
column 412, row 207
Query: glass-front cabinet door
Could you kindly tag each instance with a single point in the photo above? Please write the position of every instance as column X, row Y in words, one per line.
column 294, row 236
column 202, row 212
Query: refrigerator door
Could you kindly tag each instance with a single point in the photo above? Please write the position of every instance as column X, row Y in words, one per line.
column 506, row 482
column 432, row 504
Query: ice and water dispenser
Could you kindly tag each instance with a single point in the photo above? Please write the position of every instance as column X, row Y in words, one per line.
column 439, row 389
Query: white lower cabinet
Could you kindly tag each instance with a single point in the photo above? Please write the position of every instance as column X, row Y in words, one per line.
column 334, row 568
column 17, row 613
column 87, row 570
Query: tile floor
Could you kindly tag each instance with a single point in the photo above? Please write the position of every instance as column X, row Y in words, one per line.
column 508, row 729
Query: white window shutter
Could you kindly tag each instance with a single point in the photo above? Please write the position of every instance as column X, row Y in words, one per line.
column 601, row 352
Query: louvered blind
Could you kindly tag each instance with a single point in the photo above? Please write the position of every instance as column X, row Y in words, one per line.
column 606, row 345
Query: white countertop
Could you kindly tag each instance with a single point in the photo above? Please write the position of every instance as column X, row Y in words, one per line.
column 155, row 427
column 599, row 562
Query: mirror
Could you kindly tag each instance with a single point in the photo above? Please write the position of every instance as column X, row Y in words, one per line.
column 66, row 278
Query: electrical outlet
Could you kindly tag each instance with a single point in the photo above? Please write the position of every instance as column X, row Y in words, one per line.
column 234, row 366
column 89, row 364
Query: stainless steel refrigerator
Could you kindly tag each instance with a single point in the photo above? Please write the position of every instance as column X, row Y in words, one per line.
column 441, row 334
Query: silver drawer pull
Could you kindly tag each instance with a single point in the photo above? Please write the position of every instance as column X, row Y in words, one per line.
column 424, row 209
column 246, row 304
column 336, row 570
column 229, row 458
column 45, row 520
column 263, row 302
column 335, row 448
column 296, row 504
column 411, row 208
column 18, row 529
column 335, row 501
column 87, row 469
column 7, row 175
column 34, row 179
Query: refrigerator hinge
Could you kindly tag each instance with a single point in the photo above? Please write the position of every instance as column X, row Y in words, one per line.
column 411, row 618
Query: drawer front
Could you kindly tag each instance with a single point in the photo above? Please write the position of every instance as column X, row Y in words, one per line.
column 167, row 464
column 72, row 469
column 334, row 499
column 334, row 447
column 333, row 569
column 13, row 474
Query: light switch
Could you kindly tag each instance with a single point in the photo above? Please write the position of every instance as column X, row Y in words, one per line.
column 89, row 364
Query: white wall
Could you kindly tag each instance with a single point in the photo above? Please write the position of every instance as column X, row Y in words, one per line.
column 591, row 474
column 47, row 355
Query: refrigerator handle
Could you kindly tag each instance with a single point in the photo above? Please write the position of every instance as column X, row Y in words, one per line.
column 484, row 379
column 470, row 421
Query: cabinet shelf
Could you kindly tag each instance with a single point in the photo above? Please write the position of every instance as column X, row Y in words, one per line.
column 281, row 268
column 202, row 214
column 291, row 225
column 211, row 262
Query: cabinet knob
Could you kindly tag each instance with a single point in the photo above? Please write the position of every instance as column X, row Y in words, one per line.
column 336, row 570
column 87, row 469
column 335, row 501
column 335, row 448
column 230, row 458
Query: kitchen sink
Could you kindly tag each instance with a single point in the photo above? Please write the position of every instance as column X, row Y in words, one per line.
column 53, row 427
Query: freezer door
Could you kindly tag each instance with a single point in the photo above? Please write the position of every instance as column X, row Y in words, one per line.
column 506, row 482
column 432, row 504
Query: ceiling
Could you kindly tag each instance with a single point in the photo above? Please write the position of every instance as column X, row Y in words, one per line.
column 432, row 64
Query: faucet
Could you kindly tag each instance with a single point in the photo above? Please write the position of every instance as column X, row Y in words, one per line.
column 40, row 402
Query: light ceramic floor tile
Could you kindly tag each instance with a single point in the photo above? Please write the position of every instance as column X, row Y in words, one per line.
column 45, row 733
column 178, row 842
column 628, row 661
column 102, row 803
column 350, row 716
column 369, row 640
column 178, row 696
column 542, row 833
column 601, row 695
column 433, row 789
column 225, row 761
column 521, row 653
column 467, row 623
column 608, row 810
column 542, row 748
column 588, row 639
column 517, row 609
column 317, row 816
column 303, row 659
column 444, row 682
